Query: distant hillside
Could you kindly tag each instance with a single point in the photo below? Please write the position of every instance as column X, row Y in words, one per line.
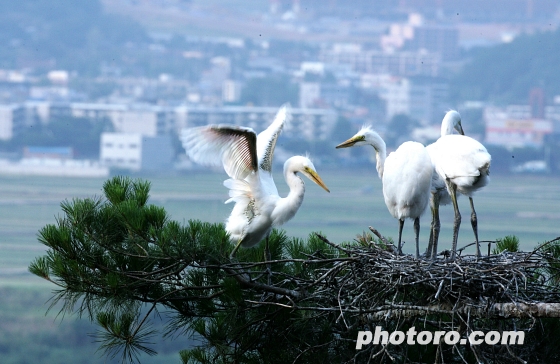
column 70, row 34
column 507, row 72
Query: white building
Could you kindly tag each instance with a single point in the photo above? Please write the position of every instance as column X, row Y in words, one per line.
column 121, row 150
column 505, row 130
column 401, row 63
column 317, row 68
column 152, row 121
column 54, row 167
column 231, row 91
column 59, row 77
column 148, row 120
column 143, row 121
column 396, row 93
column 428, row 100
column 316, row 124
column 135, row 152
column 12, row 118
column 424, row 98
column 309, row 94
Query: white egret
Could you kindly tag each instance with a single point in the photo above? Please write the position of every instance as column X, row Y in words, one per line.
column 247, row 159
column 464, row 165
column 439, row 195
column 406, row 177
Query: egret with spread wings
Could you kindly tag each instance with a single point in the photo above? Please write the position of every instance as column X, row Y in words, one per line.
column 247, row 159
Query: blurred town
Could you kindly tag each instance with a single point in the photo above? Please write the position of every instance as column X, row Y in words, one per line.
column 114, row 95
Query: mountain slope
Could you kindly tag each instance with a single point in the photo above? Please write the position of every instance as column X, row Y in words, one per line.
column 507, row 72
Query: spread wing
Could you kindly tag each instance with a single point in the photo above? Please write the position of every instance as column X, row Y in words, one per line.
column 266, row 140
column 232, row 146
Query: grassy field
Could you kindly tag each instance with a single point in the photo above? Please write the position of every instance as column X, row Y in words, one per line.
column 526, row 206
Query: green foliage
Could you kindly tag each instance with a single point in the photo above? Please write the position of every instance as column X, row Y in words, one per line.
column 366, row 239
column 551, row 250
column 105, row 253
column 114, row 256
column 268, row 333
column 120, row 261
column 509, row 243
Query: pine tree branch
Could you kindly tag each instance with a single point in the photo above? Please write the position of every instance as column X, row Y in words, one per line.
column 241, row 277
column 306, row 303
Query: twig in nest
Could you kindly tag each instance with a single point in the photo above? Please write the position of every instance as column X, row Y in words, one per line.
column 543, row 245
column 378, row 234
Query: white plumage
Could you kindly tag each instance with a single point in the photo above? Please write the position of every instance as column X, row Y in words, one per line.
column 462, row 164
column 451, row 121
column 439, row 195
column 247, row 159
column 406, row 176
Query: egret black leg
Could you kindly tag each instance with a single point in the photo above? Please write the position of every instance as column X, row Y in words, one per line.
column 457, row 222
column 436, row 231
column 431, row 252
column 428, row 252
column 401, row 225
column 474, row 223
column 417, row 233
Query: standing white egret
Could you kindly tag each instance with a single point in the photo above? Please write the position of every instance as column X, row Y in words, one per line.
column 464, row 165
column 247, row 159
column 439, row 195
column 406, row 177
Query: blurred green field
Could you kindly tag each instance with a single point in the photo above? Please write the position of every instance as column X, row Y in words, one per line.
column 526, row 206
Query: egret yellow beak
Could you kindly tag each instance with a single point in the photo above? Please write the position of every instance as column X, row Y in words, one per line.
column 349, row 143
column 314, row 176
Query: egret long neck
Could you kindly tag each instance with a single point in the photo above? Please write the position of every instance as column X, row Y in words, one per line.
column 446, row 127
column 380, row 157
column 287, row 206
column 449, row 122
column 380, row 151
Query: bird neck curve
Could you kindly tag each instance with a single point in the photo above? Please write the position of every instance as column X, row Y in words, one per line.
column 294, row 182
column 380, row 151
column 288, row 206
column 449, row 123
column 446, row 127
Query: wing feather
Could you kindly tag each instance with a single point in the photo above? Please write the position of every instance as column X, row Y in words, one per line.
column 233, row 146
column 239, row 191
column 266, row 140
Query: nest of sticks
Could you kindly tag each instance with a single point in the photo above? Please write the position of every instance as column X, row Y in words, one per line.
column 382, row 284
column 371, row 279
column 365, row 285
